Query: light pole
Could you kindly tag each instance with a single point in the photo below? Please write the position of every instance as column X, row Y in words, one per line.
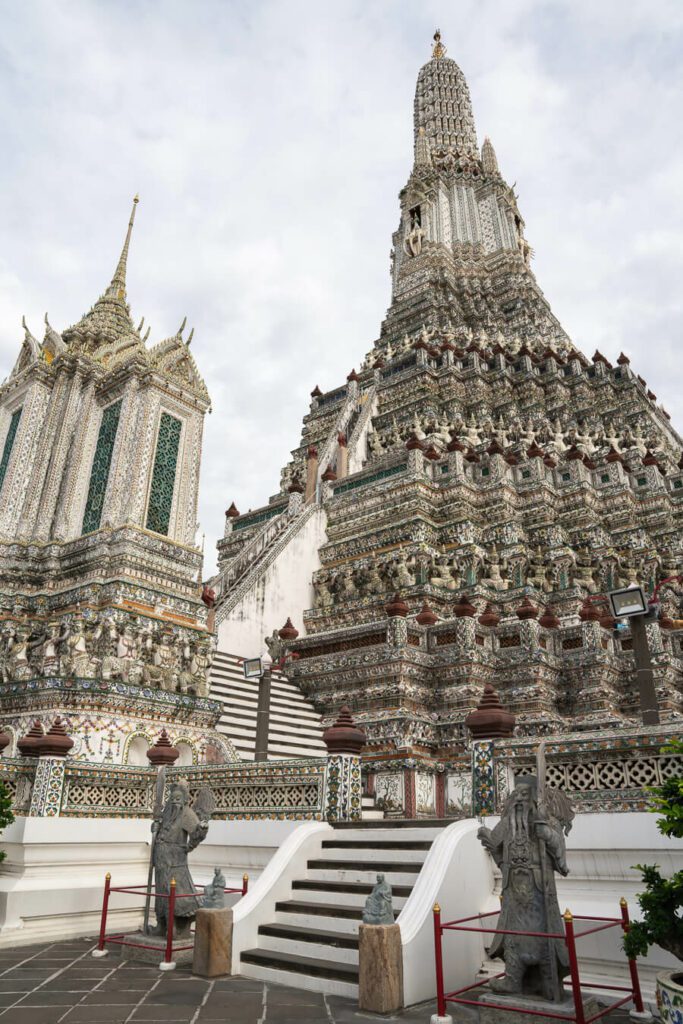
column 632, row 603
column 263, row 709
column 260, row 668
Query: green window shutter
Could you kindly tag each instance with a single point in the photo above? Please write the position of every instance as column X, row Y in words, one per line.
column 9, row 443
column 99, row 474
column 163, row 475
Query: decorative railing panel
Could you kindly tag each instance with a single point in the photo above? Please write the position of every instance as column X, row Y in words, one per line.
column 307, row 789
column 117, row 792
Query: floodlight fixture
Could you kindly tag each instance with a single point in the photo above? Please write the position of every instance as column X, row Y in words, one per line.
column 252, row 668
column 628, row 601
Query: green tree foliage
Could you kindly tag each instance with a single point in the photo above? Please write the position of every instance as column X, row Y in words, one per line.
column 662, row 900
column 6, row 816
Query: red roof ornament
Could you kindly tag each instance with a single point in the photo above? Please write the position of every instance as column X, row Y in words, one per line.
column 396, row 608
column 534, row 452
column 426, row 617
column 295, row 487
column 163, row 752
column 56, row 742
column 379, row 363
column 232, row 512
column 288, row 631
column 472, row 456
column 208, row 596
column 549, row 619
column 414, row 444
column 431, row 453
column 526, row 610
column 495, row 449
column 463, row 608
column 623, row 360
column 312, row 452
column 316, row 392
column 589, row 612
column 573, row 454
column 489, row 617
column 28, row 744
column 549, row 461
column 353, row 376
column 344, row 737
column 454, row 445
column 512, row 459
column 490, row 720
column 329, row 475
column 341, row 439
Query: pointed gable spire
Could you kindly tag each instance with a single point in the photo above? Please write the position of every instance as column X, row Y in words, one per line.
column 488, row 158
column 117, row 288
column 108, row 322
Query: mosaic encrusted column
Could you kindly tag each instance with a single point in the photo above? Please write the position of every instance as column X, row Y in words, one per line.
column 483, row 778
column 48, row 783
column 343, row 788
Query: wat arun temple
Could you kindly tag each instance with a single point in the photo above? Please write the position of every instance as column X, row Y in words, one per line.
column 441, row 535
column 460, row 501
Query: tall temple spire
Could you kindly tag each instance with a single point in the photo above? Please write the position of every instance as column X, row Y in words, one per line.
column 443, row 106
column 117, row 288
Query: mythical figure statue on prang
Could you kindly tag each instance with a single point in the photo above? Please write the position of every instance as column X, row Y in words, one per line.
column 528, row 845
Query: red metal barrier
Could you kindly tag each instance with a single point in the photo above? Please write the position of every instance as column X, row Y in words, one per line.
column 142, row 890
column 569, row 936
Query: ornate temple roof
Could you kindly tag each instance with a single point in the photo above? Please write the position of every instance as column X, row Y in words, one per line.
column 109, row 320
column 107, row 335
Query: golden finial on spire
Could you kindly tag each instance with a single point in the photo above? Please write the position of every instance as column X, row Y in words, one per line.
column 438, row 49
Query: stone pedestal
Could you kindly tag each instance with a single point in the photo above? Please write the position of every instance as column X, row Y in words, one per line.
column 213, row 943
column 380, row 962
column 489, row 1015
column 156, row 954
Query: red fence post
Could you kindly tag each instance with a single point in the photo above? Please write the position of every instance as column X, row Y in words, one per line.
column 438, row 958
column 633, row 967
column 574, row 967
column 103, row 920
column 170, row 922
column 245, row 884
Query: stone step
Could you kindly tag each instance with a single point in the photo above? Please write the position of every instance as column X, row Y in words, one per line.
column 318, row 909
column 310, row 966
column 301, row 944
column 347, row 894
column 398, row 823
column 280, row 972
column 395, row 876
column 371, row 831
column 378, row 846
column 406, row 865
column 336, row 939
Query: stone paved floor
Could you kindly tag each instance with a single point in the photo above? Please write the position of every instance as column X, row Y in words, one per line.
column 60, row 983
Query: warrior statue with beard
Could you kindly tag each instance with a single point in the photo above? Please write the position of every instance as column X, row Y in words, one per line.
column 528, row 846
column 179, row 830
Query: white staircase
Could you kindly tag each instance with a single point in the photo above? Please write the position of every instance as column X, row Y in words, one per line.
column 312, row 941
column 295, row 729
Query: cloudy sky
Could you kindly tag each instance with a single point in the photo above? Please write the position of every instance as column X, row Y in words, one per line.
column 268, row 142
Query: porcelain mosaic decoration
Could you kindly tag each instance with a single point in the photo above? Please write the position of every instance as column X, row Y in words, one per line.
column 101, row 616
column 475, row 449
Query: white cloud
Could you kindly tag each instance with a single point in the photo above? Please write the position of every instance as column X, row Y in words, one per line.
column 269, row 141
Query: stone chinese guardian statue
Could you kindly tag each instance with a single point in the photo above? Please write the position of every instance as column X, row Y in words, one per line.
column 180, row 829
column 528, row 845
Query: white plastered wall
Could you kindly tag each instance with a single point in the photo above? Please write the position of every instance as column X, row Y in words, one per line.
column 51, row 883
column 285, row 589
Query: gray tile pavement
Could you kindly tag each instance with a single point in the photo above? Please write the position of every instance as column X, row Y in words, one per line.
column 59, row 983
